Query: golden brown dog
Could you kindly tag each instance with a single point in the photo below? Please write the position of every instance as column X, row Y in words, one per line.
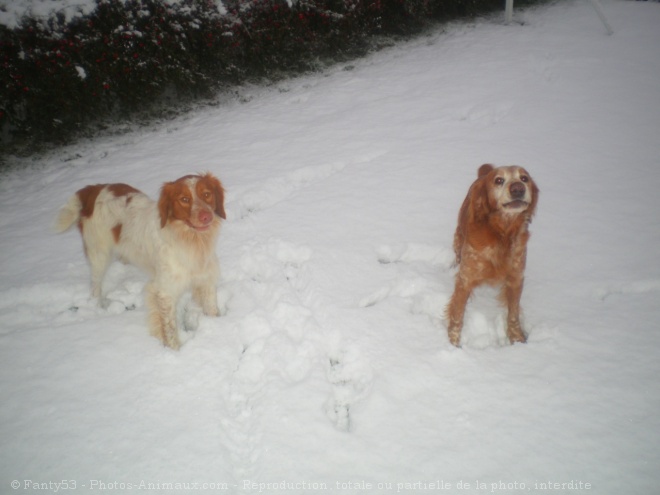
column 491, row 243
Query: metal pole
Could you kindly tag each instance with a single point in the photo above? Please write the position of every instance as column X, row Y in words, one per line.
column 508, row 12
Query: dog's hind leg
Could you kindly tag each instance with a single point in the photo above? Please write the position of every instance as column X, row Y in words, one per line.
column 98, row 250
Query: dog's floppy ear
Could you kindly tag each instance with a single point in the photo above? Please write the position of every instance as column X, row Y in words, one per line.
column 218, row 191
column 479, row 204
column 485, row 169
column 535, row 199
column 165, row 203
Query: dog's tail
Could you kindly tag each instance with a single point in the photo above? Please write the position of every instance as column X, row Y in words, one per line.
column 68, row 215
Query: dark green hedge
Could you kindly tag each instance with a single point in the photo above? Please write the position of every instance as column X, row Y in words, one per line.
column 57, row 77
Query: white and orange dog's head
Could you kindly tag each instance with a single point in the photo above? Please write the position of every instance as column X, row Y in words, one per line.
column 195, row 200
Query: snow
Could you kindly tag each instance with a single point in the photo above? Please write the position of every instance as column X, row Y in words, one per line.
column 330, row 369
column 11, row 11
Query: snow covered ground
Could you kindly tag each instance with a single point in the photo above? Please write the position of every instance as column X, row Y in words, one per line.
column 330, row 370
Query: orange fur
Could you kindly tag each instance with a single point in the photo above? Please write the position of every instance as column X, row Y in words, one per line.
column 490, row 243
column 176, row 198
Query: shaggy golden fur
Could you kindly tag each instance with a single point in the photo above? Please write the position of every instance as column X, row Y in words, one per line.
column 490, row 243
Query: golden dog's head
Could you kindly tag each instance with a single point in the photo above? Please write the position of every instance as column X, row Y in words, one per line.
column 508, row 190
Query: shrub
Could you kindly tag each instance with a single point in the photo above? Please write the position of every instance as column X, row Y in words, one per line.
column 60, row 76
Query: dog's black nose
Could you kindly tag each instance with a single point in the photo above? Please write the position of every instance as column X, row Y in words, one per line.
column 517, row 190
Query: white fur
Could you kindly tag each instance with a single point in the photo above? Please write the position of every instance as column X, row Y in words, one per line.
column 177, row 256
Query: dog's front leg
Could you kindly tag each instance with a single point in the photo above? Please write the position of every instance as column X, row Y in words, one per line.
column 206, row 296
column 512, row 292
column 205, row 293
column 162, row 316
column 455, row 310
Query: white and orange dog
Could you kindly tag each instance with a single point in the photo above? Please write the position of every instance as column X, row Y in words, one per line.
column 173, row 240
column 490, row 243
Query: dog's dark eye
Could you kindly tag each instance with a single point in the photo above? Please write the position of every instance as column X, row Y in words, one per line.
column 524, row 178
column 185, row 199
column 499, row 181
